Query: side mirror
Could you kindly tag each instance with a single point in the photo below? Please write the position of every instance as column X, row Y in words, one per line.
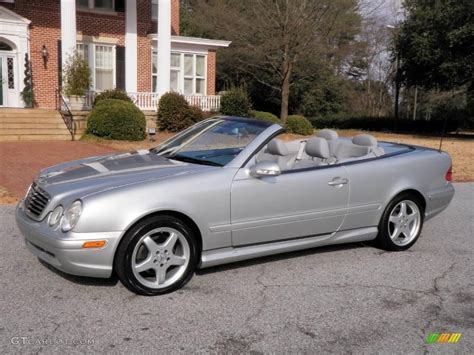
column 265, row 168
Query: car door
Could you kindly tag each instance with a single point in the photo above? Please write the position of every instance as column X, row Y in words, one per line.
column 294, row 204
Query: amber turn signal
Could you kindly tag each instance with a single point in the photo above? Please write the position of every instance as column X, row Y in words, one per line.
column 93, row 244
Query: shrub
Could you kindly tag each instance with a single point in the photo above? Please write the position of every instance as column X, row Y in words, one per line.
column 299, row 125
column 77, row 76
column 195, row 114
column 387, row 124
column 27, row 93
column 112, row 94
column 264, row 116
column 175, row 114
column 236, row 102
column 117, row 119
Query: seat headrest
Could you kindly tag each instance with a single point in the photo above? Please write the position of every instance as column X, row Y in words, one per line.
column 317, row 147
column 365, row 140
column 277, row 147
column 328, row 134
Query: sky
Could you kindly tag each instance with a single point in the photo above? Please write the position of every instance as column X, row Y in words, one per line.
column 389, row 11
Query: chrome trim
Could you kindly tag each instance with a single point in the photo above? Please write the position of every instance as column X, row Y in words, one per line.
column 36, row 202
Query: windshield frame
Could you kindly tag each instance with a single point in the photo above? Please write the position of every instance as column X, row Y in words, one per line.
column 173, row 151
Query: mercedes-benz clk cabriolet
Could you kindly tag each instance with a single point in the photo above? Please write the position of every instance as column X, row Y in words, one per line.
column 225, row 190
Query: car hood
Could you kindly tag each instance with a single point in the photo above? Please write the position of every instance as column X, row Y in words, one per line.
column 110, row 171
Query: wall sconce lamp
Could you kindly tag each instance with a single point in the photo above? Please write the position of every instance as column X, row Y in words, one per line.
column 44, row 55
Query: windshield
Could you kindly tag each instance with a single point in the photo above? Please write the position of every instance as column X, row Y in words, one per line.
column 212, row 142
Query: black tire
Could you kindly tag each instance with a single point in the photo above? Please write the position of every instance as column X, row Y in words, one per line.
column 383, row 239
column 123, row 255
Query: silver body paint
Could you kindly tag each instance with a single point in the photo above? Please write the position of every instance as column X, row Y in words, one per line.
column 237, row 216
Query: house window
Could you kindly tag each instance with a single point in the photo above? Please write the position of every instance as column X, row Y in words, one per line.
column 154, row 9
column 104, row 67
column 83, row 51
column 101, row 60
column 107, row 5
column 175, row 71
column 187, row 75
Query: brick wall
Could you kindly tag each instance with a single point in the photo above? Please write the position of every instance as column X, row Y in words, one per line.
column 175, row 17
column 211, row 72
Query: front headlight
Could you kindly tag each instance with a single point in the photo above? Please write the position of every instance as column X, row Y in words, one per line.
column 71, row 216
column 55, row 216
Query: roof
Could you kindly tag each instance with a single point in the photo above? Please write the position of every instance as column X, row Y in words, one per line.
column 211, row 43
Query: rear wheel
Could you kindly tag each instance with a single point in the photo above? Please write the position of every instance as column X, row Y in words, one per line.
column 157, row 256
column 401, row 223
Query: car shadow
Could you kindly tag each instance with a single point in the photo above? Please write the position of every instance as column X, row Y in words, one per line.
column 82, row 280
column 113, row 280
column 283, row 256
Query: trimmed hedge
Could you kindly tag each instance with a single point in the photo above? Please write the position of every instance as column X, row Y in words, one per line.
column 175, row 114
column 235, row 102
column 117, row 119
column 299, row 125
column 264, row 116
column 386, row 124
column 111, row 94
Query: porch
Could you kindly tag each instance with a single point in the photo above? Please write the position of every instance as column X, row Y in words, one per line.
column 148, row 101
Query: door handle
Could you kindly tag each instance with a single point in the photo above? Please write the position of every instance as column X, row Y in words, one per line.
column 338, row 182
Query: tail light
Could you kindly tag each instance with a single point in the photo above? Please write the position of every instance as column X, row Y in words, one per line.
column 449, row 174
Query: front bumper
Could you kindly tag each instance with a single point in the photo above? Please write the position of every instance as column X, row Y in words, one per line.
column 64, row 250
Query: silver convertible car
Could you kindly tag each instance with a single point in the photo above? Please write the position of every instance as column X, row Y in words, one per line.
column 224, row 190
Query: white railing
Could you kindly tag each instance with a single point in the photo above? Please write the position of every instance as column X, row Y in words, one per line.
column 89, row 99
column 145, row 101
column 148, row 101
column 204, row 102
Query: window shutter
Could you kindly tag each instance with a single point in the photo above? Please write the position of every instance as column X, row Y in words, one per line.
column 119, row 5
column 60, row 66
column 120, row 67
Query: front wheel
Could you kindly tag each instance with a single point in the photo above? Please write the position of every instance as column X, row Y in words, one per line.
column 401, row 223
column 157, row 256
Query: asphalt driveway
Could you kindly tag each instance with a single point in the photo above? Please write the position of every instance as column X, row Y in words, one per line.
column 340, row 299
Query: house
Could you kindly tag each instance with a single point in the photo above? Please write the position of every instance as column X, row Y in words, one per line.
column 133, row 45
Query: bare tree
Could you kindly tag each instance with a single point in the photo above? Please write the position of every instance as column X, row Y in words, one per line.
column 271, row 37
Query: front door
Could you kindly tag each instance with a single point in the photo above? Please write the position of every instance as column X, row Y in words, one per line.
column 9, row 94
column 292, row 205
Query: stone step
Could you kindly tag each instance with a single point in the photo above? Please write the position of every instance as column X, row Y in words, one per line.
column 32, row 131
column 30, row 115
column 35, row 137
column 26, row 110
column 31, row 119
column 33, row 124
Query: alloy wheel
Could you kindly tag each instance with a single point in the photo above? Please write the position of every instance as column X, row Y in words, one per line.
column 160, row 257
column 404, row 222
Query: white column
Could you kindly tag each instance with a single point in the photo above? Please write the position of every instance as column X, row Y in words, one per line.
column 131, row 46
column 164, row 46
column 68, row 29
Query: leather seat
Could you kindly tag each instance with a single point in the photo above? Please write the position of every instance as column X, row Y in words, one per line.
column 317, row 150
column 278, row 152
column 366, row 140
column 332, row 138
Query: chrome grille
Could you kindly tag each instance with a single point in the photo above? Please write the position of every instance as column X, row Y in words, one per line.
column 36, row 200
